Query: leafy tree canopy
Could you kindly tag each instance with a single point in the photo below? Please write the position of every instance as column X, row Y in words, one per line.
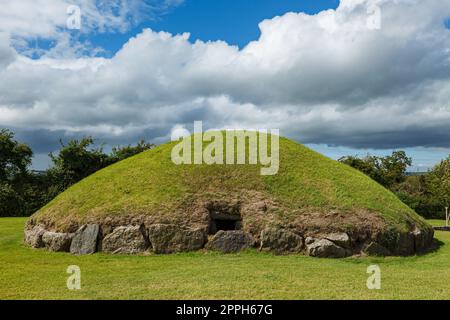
column 439, row 182
column 15, row 157
column 387, row 171
column 22, row 192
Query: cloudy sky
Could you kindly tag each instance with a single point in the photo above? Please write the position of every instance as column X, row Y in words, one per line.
column 344, row 77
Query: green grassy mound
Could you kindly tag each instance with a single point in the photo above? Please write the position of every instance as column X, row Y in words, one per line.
column 310, row 192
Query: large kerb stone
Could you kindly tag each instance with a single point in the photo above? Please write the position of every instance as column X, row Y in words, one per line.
column 58, row 242
column 126, row 239
column 85, row 240
column 326, row 249
column 167, row 238
column 230, row 241
column 280, row 241
column 33, row 237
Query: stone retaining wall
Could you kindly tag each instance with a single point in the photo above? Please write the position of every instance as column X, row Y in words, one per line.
column 167, row 238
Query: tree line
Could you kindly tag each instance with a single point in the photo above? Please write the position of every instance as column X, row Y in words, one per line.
column 23, row 191
column 427, row 193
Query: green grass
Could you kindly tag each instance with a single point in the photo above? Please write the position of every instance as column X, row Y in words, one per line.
column 27, row 273
column 436, row 222
column 150, row 184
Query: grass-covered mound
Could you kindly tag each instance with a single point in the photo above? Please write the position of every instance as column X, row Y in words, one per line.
column 310, row 195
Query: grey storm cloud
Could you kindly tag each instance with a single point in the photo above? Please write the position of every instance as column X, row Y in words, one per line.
column 330, row 78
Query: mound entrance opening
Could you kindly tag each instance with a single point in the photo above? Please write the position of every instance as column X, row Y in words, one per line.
column 224, row 216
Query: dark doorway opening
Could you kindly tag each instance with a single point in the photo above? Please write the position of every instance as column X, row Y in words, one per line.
column 228, row 224
column 224, row 216
column 225, row 225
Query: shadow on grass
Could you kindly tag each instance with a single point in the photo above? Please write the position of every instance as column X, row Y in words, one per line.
column 435, row 246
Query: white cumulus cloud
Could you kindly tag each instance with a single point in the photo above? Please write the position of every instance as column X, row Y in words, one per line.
column 328, row 78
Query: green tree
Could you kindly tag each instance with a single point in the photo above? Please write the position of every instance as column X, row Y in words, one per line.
column 415, row 193
column 388, row 171
column 120, row 153
column 394, row 168
column 365, row 165
column 15, row 158
column 439, row 183
column 75, row 161
column 23, row 192
column 79, row 158
column 427, row 194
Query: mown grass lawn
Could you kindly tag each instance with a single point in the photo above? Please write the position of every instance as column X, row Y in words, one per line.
column 36, row 274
